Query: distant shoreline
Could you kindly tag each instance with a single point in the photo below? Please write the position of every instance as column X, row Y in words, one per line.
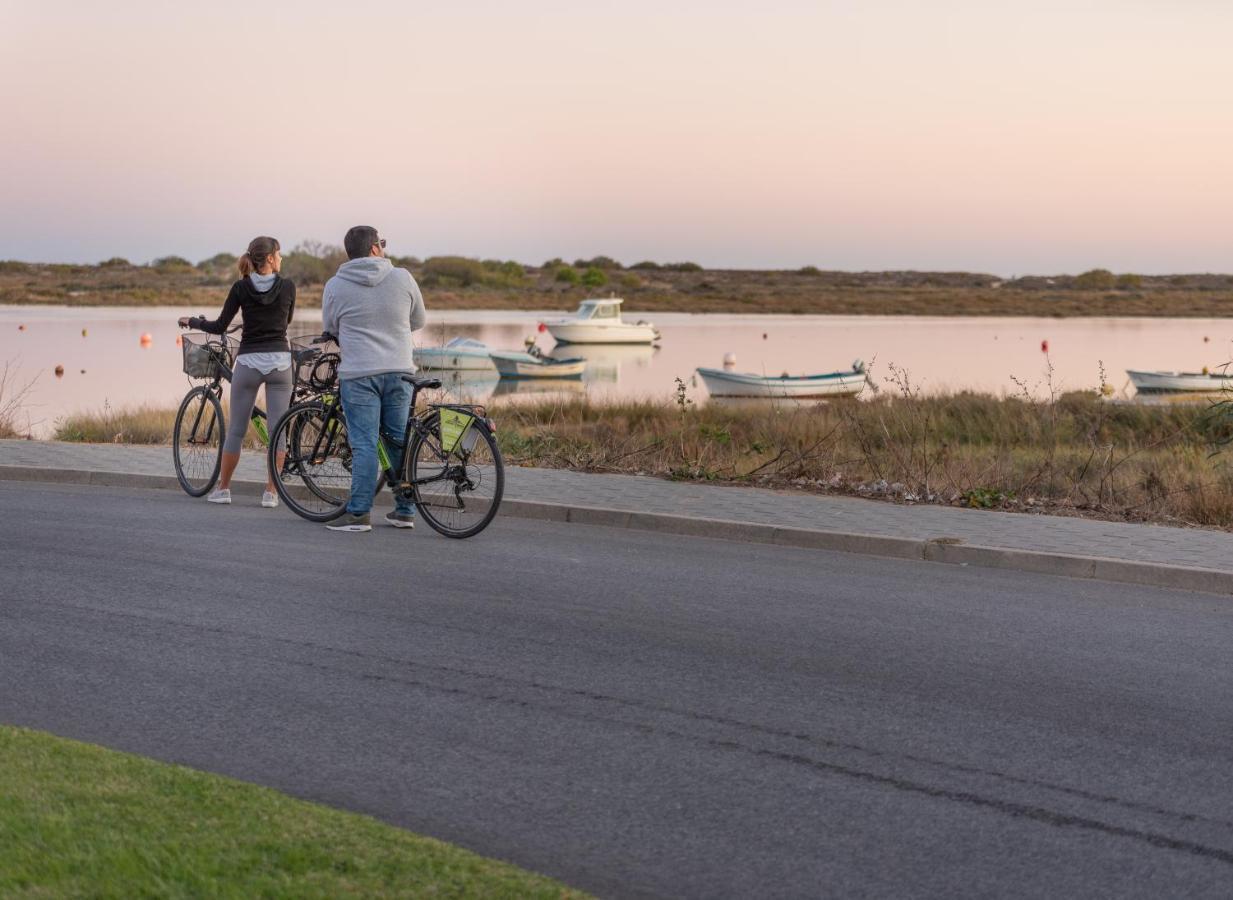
column 458, row 284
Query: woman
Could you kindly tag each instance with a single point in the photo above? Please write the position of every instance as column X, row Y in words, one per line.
column 267, row 301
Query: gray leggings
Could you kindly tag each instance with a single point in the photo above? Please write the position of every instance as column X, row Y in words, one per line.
column 244, row 383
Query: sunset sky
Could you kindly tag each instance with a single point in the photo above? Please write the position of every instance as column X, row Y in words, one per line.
column 992, row 136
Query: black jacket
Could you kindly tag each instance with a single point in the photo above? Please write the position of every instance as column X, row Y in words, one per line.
column 266, row 315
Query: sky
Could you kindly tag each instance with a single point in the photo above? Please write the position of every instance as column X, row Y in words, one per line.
column 989, row 136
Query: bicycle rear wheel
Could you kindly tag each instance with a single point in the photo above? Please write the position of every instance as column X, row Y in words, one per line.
column 458, row 492
column 314, row 480
column 197, row 441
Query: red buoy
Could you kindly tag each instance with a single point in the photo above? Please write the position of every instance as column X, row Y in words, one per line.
column 1044, row 346
column 542, row 327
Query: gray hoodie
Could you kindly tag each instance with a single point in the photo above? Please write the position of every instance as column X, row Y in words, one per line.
column 372, row 308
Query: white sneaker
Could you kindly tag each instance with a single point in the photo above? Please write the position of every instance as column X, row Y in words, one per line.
column 269, row 499
column 220, row 495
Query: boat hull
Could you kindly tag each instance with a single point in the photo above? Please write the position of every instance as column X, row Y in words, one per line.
column 515, row 366
column 441, row 358
column 1179, row 382
column 804, row 387
column 594, row 333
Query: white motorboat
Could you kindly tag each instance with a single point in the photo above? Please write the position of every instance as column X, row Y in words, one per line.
column 1180, row 382
column 723, row 383
column 460, row 353
column 599, row 322
column 513, row 364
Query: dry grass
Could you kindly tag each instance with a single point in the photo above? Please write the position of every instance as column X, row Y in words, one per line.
column 1076, row 453
column 1073, row 454
column 13, row 395
column 134, row 425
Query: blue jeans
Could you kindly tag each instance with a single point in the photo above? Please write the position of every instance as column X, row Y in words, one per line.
column 372, row 403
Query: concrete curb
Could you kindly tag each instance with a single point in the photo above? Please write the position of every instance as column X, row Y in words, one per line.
column 1094, row 567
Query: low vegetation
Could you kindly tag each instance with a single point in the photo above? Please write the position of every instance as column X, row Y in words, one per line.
column 77, row 820
column 127, row 425
column 13, row 394
column 1073, row 454
column 457, row 282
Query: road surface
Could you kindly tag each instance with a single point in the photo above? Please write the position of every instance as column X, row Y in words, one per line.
column 636, row 714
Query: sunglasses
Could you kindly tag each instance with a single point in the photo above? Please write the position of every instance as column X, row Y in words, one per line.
column 381, row 243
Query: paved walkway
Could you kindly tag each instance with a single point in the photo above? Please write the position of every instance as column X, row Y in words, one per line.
column 1149, row 544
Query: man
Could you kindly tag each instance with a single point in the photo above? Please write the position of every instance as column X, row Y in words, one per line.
column 373, row 308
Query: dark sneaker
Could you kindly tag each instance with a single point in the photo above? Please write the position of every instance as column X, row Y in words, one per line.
column 400, row 520
column 348, row 522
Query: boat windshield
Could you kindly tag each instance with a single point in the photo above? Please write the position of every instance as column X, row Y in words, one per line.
column 465, row 343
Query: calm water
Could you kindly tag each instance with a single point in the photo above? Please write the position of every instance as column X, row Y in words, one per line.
column 940, row 354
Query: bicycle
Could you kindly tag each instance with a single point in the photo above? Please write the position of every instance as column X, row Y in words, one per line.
column 446, row 462
column 197, row 439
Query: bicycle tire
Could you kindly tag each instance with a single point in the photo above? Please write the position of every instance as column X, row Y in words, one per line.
column 425, row 458
column 316, row 467
column 197, row 441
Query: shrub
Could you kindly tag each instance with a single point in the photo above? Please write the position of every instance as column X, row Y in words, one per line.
column 171, row 264
column 555, row 263
column 507, row 273
column 594, row 277
column 1129, row 282
column 1096, row 280
column 457, row 270
column 303, row 268
column 646, row 264
column 115, row 262
column 1179, row 281
column 567, row 275
column 631, row 281
column 597, row 262
column 808, row 270
column 219, row 262
column 683, row 267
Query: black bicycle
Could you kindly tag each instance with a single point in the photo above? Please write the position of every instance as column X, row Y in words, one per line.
column 197, row 440
column 446, row 461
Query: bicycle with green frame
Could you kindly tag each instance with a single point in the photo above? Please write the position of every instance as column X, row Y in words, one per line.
column 446, row 461
column 197, row 439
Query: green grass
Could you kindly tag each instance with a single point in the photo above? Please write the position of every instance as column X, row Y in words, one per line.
column 78, row 820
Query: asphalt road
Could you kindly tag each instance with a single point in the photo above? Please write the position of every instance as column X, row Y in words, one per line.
column 642, row 715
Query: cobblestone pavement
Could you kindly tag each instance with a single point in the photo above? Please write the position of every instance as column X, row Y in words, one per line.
column 1012, row 531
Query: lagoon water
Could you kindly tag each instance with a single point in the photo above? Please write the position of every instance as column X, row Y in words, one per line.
column 988, row 354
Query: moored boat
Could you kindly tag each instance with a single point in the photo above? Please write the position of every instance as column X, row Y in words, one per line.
column 1180, row 382
column 722, row 383
column 512, row 364
column 460, row 353
column 598, row 321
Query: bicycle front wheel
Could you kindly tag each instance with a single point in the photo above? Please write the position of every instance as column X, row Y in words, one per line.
column 457, row 492
column 314, row 478
column 197, row 441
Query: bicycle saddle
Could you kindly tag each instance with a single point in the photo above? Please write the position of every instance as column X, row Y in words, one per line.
column 423, row 384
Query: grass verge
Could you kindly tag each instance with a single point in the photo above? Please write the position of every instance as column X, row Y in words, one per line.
column 1072, row 454
column 78, row 820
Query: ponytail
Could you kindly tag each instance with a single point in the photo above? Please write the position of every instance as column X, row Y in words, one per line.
column 260, row 249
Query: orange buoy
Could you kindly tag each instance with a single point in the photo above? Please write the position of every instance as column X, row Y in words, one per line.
column 59, row 371
column 83, row 332
column 146, row 339
column 21, row 327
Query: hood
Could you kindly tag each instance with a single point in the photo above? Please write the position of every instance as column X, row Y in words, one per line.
column 367, row 270
column 266, row 297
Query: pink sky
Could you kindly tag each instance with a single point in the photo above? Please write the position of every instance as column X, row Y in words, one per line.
column 991, row 136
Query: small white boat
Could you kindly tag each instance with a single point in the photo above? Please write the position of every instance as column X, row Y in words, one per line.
column 1183, row 382
column 722, row 383
column 599, row 322
column 460, row 353
column 512, row 364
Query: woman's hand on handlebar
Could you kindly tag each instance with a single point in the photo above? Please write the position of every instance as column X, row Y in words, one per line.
column 183, row 321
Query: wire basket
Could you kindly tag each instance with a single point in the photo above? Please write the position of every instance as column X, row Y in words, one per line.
column 206, row 354
column 315, row 361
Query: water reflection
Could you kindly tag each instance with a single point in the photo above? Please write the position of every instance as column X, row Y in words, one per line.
column 992, row 355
